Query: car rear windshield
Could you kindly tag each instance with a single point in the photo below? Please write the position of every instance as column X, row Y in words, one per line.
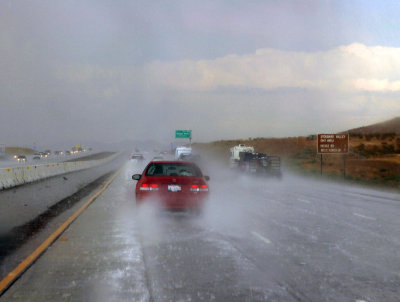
column 173, row 169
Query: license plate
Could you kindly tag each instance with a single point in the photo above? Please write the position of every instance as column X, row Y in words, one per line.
column 174, row 188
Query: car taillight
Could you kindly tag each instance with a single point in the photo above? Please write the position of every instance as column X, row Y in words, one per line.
column 197, row 188
column 149, row 187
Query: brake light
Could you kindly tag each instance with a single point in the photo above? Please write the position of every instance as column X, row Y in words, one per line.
column 149, row 187
column 197, row 188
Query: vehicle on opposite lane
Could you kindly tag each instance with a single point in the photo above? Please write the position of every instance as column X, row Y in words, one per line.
column 177, row 185
column 21, row 158
column 137, row 156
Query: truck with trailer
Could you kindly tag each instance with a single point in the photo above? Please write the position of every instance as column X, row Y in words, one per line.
column 245, row 160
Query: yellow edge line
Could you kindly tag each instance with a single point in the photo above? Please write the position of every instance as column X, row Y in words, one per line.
column 10, row 278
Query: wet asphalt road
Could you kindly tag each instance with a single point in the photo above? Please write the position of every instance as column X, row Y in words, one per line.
column 257, row 240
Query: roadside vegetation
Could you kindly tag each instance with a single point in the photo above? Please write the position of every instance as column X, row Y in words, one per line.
column 373, row 158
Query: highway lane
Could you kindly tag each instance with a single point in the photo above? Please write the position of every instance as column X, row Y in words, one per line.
column 257, row 240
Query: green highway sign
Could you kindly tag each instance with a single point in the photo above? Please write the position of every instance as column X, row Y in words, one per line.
column 183, row 133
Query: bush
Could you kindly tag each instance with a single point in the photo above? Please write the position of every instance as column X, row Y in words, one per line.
column 392, row 177
column 398, row 143
column 360, row 149
column 387, row 149
column 310, row 151
column 368, row 137
column 375, row 150
column 388, row 135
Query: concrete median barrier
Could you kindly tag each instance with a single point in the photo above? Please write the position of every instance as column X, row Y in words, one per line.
column 11, row 177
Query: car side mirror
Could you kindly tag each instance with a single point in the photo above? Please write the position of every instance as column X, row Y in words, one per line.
column 206, row 177
column 136, row 176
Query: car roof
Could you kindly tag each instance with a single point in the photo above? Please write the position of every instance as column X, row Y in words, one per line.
column 178, row 162
column 172, row 162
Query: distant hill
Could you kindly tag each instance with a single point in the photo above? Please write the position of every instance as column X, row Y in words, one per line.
column 19, row 151
column 390, row 126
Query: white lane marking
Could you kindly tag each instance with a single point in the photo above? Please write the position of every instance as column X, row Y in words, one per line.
column 303, row 200
column 361, row 301
column 262, row 238
column 365, row 217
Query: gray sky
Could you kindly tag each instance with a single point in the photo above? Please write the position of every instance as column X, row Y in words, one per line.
column 116, row 70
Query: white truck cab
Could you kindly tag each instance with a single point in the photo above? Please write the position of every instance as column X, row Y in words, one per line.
column 182, row 150
column 235, row 154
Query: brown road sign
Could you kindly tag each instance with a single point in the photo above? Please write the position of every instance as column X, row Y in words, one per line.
column 333, row 143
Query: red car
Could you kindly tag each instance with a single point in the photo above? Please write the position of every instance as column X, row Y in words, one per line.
column 177, row 185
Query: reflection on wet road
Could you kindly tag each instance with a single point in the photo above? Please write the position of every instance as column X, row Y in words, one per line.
column 257, row 240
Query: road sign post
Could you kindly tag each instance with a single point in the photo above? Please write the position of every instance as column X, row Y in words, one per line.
column 184, row 134
column 333, row 144
column 321, row 164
